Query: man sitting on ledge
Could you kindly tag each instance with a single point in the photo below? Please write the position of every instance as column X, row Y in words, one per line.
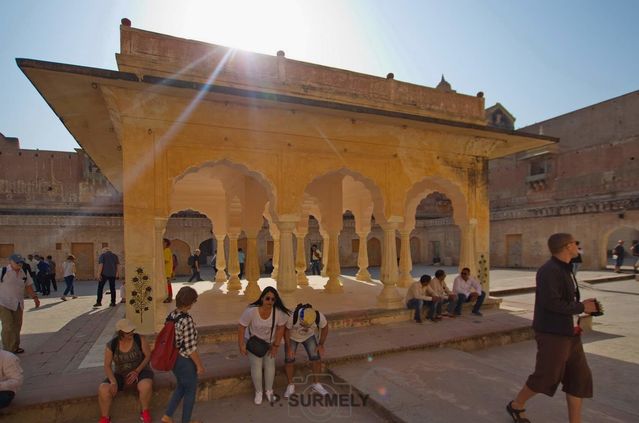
column 468, row 289
column 416, row 297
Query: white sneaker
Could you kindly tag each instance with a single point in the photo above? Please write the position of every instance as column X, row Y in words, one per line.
column 290, row 390
column 258, row 398
column 270, row 396
column 317, row 387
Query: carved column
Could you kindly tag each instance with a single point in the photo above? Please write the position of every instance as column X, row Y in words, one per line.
column 405, row 262
column 389, row 297
column 333, row 286
column 300, row 258
column 325, row 244
column 276, row 256
column 252, row 266
column 286, row 280
column 234, row 283
column 220, row 260
column 362, row 257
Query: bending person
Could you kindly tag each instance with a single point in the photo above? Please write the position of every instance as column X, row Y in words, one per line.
column 303, row 327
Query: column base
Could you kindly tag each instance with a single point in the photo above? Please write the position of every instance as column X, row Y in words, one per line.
column 252, row 291
column 302, row 279
column 234, row 283
column 363, row 275
column 220, row 276
column 333, row 286
column 390, row 298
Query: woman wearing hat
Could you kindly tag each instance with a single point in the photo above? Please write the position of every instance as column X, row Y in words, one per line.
column 265, row 319
column 126, row 362
column 68, row 269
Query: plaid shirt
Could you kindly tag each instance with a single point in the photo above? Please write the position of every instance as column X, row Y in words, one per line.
column 185, row 333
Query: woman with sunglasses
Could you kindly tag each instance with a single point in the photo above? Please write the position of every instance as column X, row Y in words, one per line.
column 266, row 319
column 126, row 363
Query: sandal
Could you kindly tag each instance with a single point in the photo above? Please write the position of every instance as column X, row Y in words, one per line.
column 516, row 413
column 19, row 351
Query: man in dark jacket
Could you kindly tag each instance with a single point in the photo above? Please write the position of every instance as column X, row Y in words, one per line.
column 560, row 354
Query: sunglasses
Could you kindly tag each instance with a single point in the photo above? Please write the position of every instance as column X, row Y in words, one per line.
column 269, row 298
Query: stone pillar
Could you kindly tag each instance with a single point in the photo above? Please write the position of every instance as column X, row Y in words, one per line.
column 325, row 244
column 276, row 257
column 252, row 266
column 405, row 262
column 333, row 286
column 300, row 258
column 234, row 283
column 389, row 297
column 286, row 280
column 220, row 260
column 362, row 257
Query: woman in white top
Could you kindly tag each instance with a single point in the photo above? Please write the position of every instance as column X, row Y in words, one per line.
column 266, row 319
column 68, row 268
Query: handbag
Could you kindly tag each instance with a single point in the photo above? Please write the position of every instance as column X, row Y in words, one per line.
column 257, row 346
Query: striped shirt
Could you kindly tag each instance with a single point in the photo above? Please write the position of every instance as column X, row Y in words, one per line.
column 185, row 333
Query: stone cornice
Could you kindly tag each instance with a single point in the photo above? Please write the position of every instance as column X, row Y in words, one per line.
column 589, row 206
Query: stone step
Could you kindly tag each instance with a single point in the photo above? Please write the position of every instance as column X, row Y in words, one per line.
column 72, row 397
column 340, row 320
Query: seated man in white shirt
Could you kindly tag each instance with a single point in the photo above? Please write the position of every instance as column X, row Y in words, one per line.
column 10, row 377
column 468, row 289
column 302, row 327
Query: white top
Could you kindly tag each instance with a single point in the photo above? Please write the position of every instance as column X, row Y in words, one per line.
column 10, row 372
column 261, row 327
column 68, row 268
column 12, row 289
column 460, row 286
column 300, row 333
column 416, row 290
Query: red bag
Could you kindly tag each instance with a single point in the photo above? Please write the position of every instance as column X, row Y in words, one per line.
column 165, row 352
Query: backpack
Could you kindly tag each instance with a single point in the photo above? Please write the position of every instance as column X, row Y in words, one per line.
column 113, row 344
column 299, row 308
column 191, row 261
column 165, row 351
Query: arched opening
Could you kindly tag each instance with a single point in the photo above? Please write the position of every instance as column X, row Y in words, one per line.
column 626, row 233
column 182, row 252
column 374, row 252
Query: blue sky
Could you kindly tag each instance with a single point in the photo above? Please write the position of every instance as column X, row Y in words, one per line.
column 538, row 58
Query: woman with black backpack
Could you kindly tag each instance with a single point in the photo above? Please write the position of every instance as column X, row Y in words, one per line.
column 126, row 363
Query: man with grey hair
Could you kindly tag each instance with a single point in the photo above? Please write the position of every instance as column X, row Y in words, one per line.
column 560, row 354
column 13, row 284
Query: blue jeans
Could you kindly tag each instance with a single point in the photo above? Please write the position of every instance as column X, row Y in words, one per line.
column 316, row 267
column 69, row 281
column 310, row 345
column 186, row 374
column 435, row 309
column 416, row 305
column 461, row 299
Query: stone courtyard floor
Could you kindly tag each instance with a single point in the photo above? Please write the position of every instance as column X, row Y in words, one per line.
column 64, row 338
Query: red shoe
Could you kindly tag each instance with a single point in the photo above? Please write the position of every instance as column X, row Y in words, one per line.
column 145, row 416
column 105, row 419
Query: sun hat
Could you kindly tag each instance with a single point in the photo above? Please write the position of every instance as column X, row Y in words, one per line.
column 124, row 325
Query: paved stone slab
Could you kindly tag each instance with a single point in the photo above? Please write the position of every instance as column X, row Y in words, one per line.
column 441, row 386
